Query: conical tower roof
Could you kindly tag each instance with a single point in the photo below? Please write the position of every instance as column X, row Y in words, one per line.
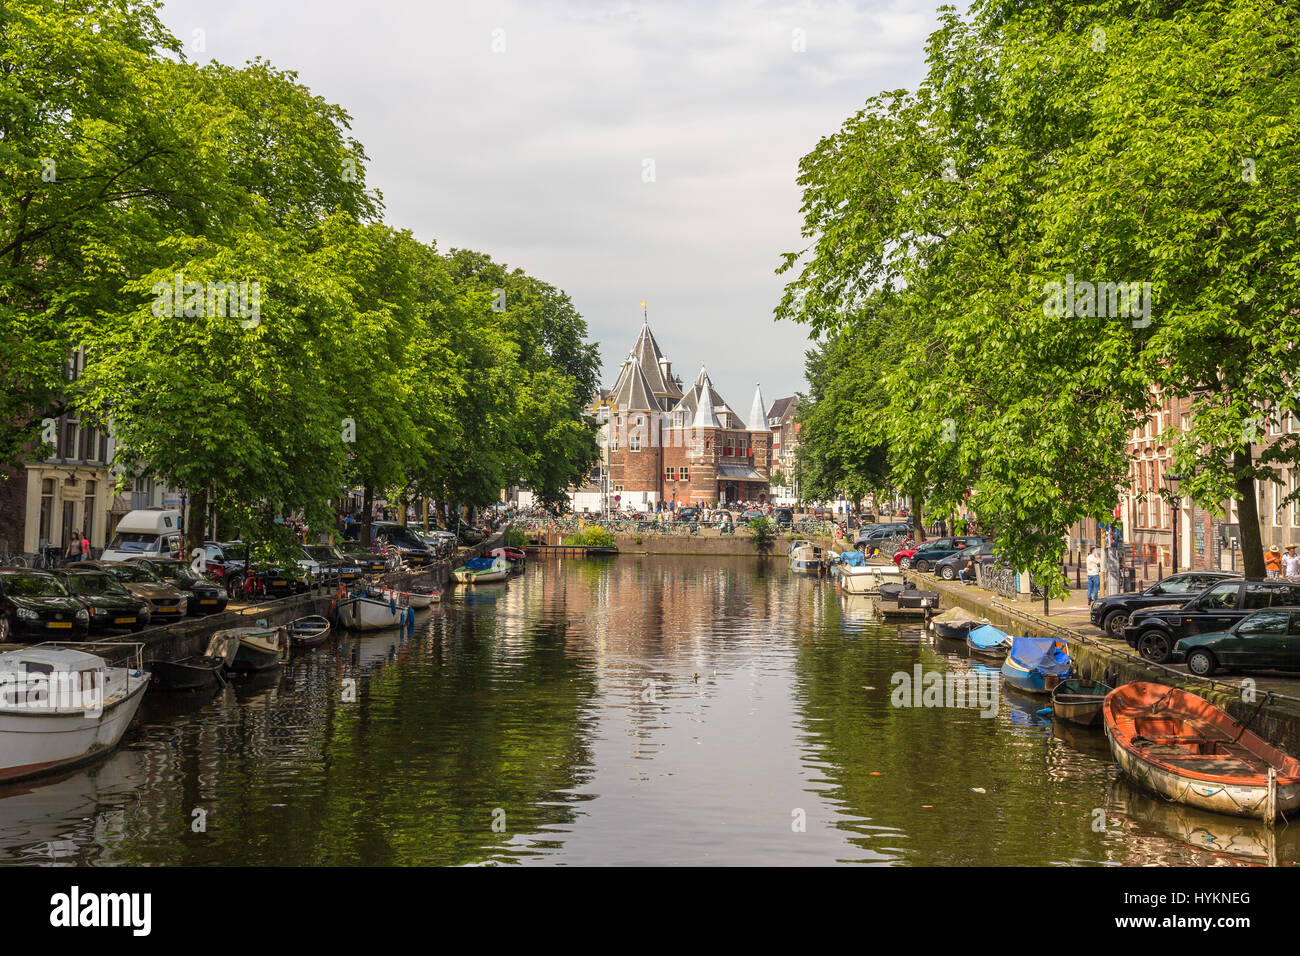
column 633, row 391
column 758, row 412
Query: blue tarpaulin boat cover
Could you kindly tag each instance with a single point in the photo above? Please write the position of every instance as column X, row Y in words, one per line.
column 479, row 564
column 1043, row 654
column 854, row 558
column 987, row 636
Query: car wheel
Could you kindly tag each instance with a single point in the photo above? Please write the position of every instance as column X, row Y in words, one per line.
column 6, row 629
column 1114, row 623
column 1154, row 646
column 905, row 563
column 923, row 565
column 1201, row 663
column 947, row 573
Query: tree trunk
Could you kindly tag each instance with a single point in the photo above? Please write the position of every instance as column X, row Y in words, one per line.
column 367, row 501
column 1252, row 544
column 196, row 528
column 918, row 531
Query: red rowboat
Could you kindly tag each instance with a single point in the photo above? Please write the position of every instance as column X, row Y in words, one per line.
column 1186, row 749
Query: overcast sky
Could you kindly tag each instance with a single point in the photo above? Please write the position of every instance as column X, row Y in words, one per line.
column 526, row 130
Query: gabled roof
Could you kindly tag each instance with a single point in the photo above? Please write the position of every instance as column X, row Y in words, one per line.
column 782, row 408
column 647, row 354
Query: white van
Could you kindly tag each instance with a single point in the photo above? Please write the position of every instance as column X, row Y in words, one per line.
column 151, row 533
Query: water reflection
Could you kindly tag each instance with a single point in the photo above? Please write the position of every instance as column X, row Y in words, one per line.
column 638, row 710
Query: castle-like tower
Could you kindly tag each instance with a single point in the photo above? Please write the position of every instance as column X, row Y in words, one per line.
column 668, row 448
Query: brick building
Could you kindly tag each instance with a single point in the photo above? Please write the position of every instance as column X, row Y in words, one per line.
column 666, row 447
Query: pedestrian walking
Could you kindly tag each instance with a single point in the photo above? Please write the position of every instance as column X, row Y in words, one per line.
column 85, row 547
column 1094, row 575
column 1273, row 562
column 73, row 552
column 1291, row 563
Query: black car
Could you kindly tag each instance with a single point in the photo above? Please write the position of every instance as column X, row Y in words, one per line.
column 688, row 514
column 104, row 597
column 36, row 605
column 414, row 550
column 1155, row 631
column 874, row 535
column 205, row 597
column 1111, row 613
column 949, row 568
column 362, row 557
column 332, row 565
column 784, row 517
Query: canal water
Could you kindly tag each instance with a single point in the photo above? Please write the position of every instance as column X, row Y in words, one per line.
column 631, row 710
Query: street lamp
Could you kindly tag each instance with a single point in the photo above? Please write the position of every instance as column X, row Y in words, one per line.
column 1173, row 482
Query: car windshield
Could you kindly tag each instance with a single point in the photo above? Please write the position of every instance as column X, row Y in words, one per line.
column 132, row 572
column 99, row 582
column 134, row 541
column 173, row 569
column 1220, row 596
column 33, row 585
column 321, row 553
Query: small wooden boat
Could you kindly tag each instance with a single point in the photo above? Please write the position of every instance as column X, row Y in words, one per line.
column 258, row 649
column 955, row 623
column 988, row 642
column 482, row 571
column 310, row 631
column 1035, row 665
column 62, row 707
column 1184, row 748
column 199, row 672
column 1079, row 700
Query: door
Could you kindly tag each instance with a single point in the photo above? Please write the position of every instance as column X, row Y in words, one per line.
column 1259, row 640
column 1215, row 610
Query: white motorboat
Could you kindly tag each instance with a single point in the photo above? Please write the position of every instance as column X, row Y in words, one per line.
column 867, row 578
column 807, row 559
column 60, row 707
column 418, row 599
column 360, row 612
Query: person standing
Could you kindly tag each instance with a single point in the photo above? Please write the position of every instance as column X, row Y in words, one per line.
column 1291, row 563
column 1094, row 575
column 85, row 547
column 1273, row 562
column 73, row 552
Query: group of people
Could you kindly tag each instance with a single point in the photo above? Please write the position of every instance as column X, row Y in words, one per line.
column 1279, row 565
column 78, row 547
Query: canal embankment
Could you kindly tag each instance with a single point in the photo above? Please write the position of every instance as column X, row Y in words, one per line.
column 186, row 638
column 1268, row 701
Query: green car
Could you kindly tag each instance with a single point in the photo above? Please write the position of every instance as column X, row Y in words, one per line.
column 1265, row 640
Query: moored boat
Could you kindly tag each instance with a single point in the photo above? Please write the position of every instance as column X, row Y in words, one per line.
column 310, row 631
column 955, row 623
column 417, row 597
column 60, row 707
column 1078, row 700
column 890, row 590
column 988, row 642
column 515, row 556
column 806, row 559
column 362, row 612
column 258, row 649
column 191, row 673
column 857, row 576
column 1034, row 665
column 482, row 571
column 1184, row 748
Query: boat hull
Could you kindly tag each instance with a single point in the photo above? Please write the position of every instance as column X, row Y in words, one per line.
column 1073, row 701
column 1024, row 680
column 480, row 577
column 33, row 744
column 369, row 614
column 192, row 673
column 1189, row 752
column 867, row 579
column 998, row 652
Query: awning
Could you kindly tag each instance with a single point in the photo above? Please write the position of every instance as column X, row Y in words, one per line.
column 740, row 473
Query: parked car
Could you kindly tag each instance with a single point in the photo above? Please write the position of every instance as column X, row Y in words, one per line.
column 924, row 556
column 36, row 605
column 105, row 598
column 752, row 514
column 205, row 597
column 949, row 568
column 414, row 551
column 165, row 600
column 368, row 561
column 1264, row 640
column 331, row 564
column 784, row 517
column 875, row 534
column 1155, row 631
column 1111, row 613
column 688, row 514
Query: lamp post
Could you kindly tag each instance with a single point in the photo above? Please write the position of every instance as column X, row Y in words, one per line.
column 1173, row 482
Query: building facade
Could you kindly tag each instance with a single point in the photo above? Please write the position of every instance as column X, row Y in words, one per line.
column 665, row 447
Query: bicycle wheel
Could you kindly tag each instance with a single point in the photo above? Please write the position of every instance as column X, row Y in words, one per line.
column 18, row 561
